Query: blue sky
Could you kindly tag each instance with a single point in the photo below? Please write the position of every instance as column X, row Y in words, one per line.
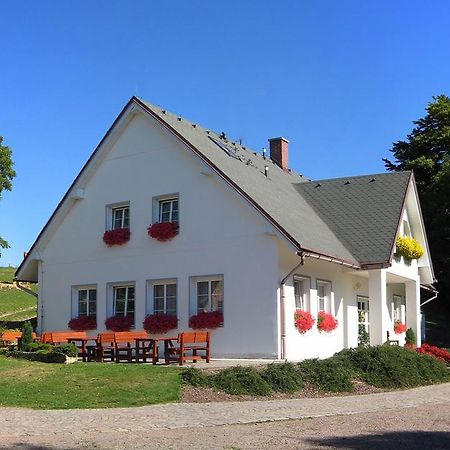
column 341, row 80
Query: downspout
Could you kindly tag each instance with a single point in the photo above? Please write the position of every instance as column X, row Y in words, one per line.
column 282, row 306
column 436, row 293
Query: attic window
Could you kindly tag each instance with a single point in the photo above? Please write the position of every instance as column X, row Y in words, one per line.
column 118, row 216
column 406, row 229
column 229, row 151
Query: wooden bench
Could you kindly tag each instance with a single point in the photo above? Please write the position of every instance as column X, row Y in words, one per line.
column 125, row 344
column 392, row 341
column 10, row 337
column 61, row 337
column 105, row 346
column 190, row 344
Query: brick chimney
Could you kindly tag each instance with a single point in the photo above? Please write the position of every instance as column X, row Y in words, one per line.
column 279, row 152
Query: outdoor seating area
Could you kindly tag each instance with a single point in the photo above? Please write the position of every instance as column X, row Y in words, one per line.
column 126, row 346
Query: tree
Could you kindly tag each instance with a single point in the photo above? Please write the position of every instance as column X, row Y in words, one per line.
column 426, row 151
column 7, row 174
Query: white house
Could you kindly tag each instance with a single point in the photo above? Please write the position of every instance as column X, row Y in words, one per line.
column 256, row 241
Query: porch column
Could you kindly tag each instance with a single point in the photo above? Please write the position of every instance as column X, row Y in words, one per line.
column 412, row 289
column 378, row 309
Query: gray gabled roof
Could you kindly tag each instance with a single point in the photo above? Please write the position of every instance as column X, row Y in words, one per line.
column 364, row 211
column 355, row 222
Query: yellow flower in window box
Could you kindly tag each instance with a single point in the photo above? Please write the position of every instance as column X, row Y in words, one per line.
column 408, row 247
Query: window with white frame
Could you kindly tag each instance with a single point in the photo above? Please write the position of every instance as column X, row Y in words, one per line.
column 399, row 308
column 208, row 293
column 120, row 217
column 406, row 229
column 363, row 311
column 164, row 297
column 168, row 210
column 124, row 301
column 323, row 296
column 84, row 300
column 301, row 292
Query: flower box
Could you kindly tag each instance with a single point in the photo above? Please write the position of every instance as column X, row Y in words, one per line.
column 206, row 320
column 160, row 323
column 399, row 327
column 326, row 322
column 408, row 247
column 83, row 323
column 303, row 320
column 116, row 237
column 119, row 323
column 163, row 231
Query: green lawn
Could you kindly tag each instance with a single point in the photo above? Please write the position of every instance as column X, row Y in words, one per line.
column 13, row 300
column 85, row 385
column 7, row 273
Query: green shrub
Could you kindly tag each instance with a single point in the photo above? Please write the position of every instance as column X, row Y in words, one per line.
column 410, row 336
column 363, row 336
column 240, row 381
column 66, row 349
column 38, row 347
column 27, row 336
column 283, row 377
column 330, row 375
column 194, row 377
column 393, row 366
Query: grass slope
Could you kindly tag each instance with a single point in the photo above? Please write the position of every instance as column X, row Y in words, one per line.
column 15, row 305
column 92, row 385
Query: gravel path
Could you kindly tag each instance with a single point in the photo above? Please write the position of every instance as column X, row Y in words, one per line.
column 423, row 411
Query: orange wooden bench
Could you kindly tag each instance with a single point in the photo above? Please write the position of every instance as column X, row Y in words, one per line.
column 125, row 344
column 61, row 337
column 105, row 346
column 9, row 337
column 190, row 344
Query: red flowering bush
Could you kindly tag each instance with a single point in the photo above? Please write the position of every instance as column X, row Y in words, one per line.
column 399, row 327
column 160, row 323
column 206, row 320
column 82, row 323
column 326, row 322
column 119, row 323
column 116, row 237
column 440, row 353
column 303, row 320
column 163, row 231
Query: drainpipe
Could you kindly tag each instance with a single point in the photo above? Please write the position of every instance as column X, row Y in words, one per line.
column 282, row 306
column 436, row 293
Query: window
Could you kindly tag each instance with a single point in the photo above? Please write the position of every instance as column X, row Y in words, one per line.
column 168, row 210
column 165, row 298
column 363, row 311
column 406, row 229
column 209, row 294
column 399, row 308
column 120, row 217
column 84, row 300
column 301, row 292
column 123, row 301
column 323, row 296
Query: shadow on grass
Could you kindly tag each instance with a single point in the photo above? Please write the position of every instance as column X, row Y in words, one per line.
column 398, row 440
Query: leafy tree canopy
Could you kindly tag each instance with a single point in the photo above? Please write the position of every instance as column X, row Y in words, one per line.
column 7, row 174
column 426, row 151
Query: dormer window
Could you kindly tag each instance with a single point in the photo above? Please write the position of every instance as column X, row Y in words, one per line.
column 120, row 217
column 168, row 210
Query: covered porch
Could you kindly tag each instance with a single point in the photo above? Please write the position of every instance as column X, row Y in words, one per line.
column 393, row 297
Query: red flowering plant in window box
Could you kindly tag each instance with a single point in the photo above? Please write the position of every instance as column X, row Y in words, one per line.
column 160, row 323
column 203, row 320
column 82, row 323
column 163, row 231
column 326, row 322
column 303, row 320
column 399, row 327
column 118, row 236
column 119, row 323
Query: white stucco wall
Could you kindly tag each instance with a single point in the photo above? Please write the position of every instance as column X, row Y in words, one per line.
column 219, row 234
